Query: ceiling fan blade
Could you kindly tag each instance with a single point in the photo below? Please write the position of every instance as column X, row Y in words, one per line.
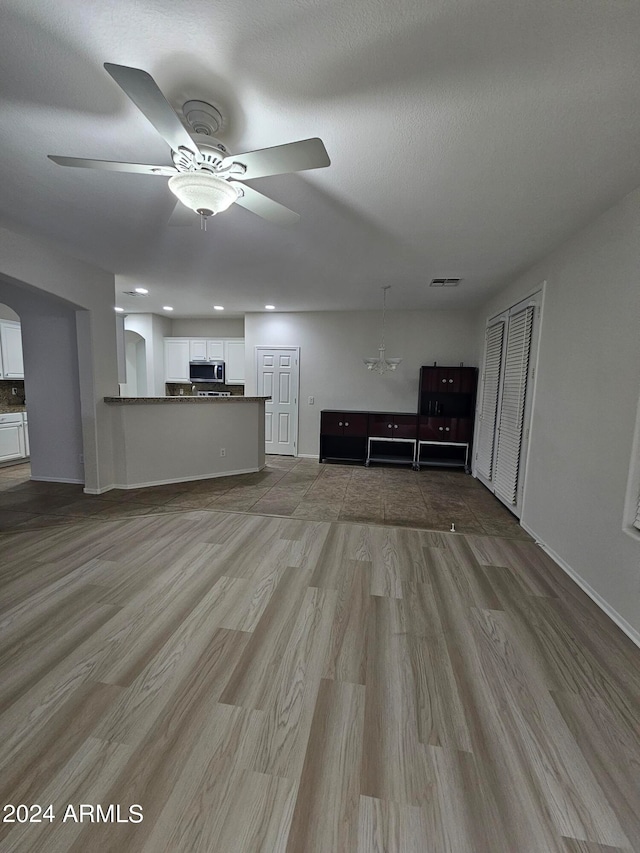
column 292, row 157
column 265, row 207
column 182, row 216
column 114, row 166
column 145, row 94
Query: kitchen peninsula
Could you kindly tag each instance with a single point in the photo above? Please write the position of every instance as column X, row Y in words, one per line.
column 177, row 439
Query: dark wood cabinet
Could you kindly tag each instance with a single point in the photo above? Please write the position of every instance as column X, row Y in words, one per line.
column 343, row 436
column 440, row 433
column 445, row 429
column 343, row 423
column 446, row 413
column 393, row 425
column 392, row 438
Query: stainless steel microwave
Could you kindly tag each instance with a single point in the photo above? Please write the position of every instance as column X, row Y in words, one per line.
column 206, row 371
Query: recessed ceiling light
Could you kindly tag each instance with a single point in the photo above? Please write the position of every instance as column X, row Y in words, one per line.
column 167, row 308
column 141, row 290
column 270, row 307
column 119, row 310
column 218, row 307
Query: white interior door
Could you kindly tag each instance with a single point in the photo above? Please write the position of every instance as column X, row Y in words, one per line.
column 278, row 378
column 504, row 412
column 487, row 417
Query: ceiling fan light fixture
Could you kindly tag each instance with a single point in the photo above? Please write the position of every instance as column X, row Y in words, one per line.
column 203, row 193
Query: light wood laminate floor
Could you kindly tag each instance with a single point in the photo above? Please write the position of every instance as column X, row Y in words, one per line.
column 292, row 686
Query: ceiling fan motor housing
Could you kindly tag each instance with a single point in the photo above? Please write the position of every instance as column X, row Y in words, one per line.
column 212, row 153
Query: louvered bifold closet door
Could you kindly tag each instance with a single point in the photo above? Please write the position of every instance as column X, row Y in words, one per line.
column 512, row 408
column 494, row 342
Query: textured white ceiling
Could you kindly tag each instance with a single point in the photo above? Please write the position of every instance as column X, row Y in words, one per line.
column 467, row 138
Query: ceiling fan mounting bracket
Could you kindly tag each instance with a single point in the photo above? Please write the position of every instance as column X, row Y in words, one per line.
column 203, row 118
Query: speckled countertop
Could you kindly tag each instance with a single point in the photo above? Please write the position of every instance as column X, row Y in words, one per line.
column 10, row 410
column 128, row 401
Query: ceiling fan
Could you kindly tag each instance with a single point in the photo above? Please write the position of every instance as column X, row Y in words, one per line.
column 204, row 176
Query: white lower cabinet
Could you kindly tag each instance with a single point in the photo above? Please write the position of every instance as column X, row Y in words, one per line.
column 11, row 437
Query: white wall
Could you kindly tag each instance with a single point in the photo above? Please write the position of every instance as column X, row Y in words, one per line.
column 153, row 329
column 7, row 314
column 52, row 386
column 135, row 356
column 588, row 385
column 334, row 344
column 212, row 327
column 172, row 442
column 35, row 266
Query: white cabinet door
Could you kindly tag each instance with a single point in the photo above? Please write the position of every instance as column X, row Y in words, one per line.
column 176, row 360
column 201, row 349
column 11, row 343
column 11, row 437
column 234, row 362
column 215, row 350
column 198, row 350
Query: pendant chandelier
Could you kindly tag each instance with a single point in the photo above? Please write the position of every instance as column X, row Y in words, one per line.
column 382, row 364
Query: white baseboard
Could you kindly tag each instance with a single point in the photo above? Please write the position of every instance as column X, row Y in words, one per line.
column 620, row 621
column 170, row 482
column 55, row 480
column 308, row 455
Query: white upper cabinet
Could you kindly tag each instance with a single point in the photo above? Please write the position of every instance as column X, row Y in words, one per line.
column 178, row 352
column 176, row 359
column 198, row 350
column 215, row 350
column 206, row 350
column 11, row 366
column 234, row 362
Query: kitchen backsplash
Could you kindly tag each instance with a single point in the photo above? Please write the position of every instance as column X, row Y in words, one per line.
column 7, row 397
column 173, row 388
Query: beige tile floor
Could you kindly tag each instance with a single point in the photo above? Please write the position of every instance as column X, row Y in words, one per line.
column 430, row 499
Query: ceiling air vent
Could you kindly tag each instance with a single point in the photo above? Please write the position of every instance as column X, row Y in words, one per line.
column 445, row 282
